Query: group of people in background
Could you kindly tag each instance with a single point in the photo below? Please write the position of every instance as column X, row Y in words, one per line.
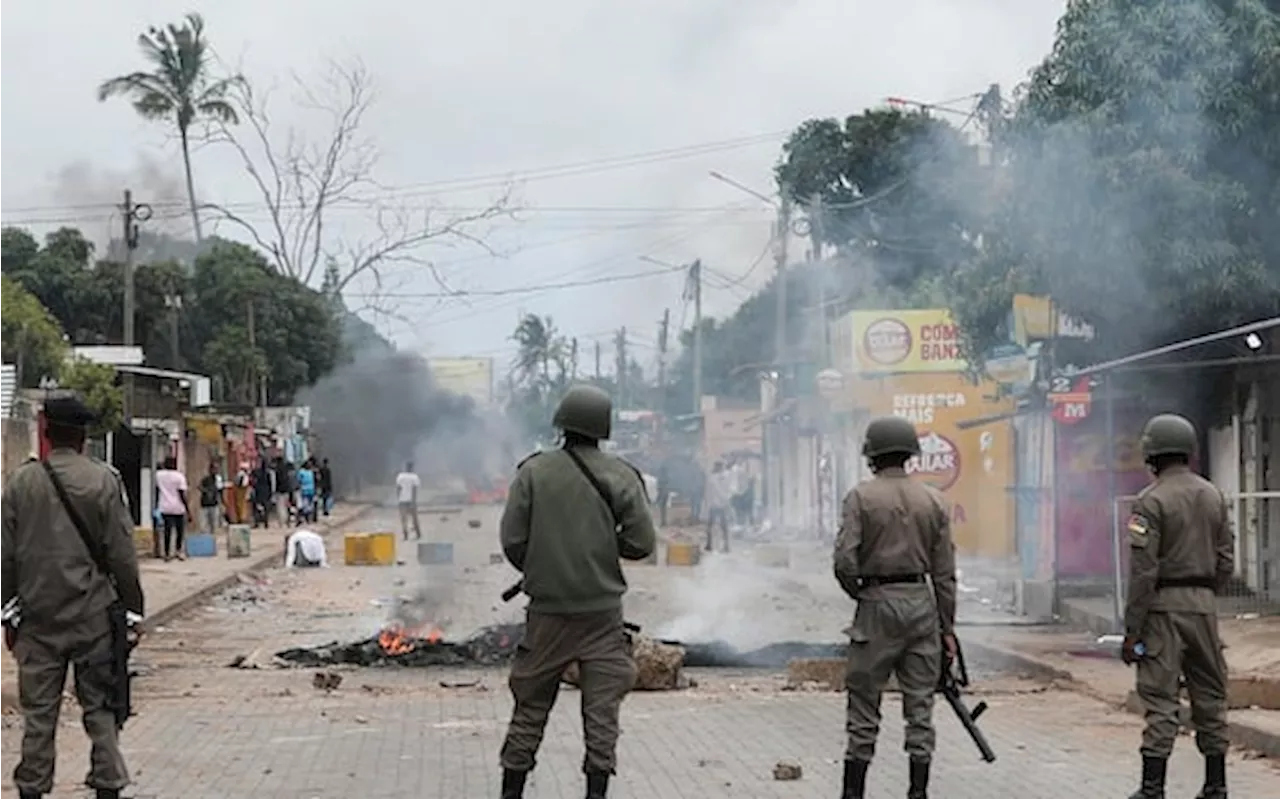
column 293, row 495
column 724, row 497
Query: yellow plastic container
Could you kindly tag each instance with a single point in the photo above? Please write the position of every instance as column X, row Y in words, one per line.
column 144, row 542
column 369, row 549
column 683, row 554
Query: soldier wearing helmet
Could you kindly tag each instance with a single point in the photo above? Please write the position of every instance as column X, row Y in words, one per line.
column 572, row 514
column 894, row 540
column 1180, row 553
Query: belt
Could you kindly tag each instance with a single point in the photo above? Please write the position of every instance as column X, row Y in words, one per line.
column 1187, row 582
column 891, row 579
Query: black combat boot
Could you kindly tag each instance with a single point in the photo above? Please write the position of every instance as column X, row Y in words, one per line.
column 1153, row 771
column 1215, row 778
column 513, row 783
column 855, row 779
column 107, row 793
column 919, row 773
column 597, row 785
column 29, row 795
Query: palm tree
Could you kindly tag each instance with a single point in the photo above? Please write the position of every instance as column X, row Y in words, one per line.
column 179, row 87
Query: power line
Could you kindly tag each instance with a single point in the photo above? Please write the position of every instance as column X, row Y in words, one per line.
column 463, row 293
column 490, row 180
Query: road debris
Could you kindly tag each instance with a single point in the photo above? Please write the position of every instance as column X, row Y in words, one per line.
column 787, row 770
column 326, row 680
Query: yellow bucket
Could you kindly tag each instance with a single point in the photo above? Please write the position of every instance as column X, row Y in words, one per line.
column 683, row 554
column 369, row 549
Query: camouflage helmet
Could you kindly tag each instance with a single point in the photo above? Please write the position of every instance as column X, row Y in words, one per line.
column 585, row 410
column 889, row 434
column 1168, row 434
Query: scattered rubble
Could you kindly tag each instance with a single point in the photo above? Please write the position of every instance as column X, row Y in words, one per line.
column 491, row 646
column 658, row 665
column 787, row 770
column 326, row 680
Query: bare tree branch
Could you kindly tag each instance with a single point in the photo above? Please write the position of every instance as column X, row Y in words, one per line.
column 301, row 181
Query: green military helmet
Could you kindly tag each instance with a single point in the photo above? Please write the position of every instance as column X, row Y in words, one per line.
column 585, row 410
column 1168, row 434
column 889, row 434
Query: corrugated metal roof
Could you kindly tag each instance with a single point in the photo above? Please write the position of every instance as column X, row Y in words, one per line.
column 8, row 386
column 111, row 354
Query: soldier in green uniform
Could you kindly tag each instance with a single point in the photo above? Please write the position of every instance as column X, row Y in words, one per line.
column 571, row 515
column 894, row 540
column 64, row 597
column 1180, row 553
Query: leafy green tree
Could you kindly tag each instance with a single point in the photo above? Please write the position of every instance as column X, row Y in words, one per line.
column 896, row 189
column 539, row 374
column 178, row 87
column 1140, row 176
column 294, row 326
column 33, row 339
column 236, row 363
column 96, row 384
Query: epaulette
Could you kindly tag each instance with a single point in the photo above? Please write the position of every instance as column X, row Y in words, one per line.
column 528, row 458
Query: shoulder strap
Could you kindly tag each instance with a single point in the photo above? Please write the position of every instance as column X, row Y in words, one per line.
column 95, row 548
column 595, row 482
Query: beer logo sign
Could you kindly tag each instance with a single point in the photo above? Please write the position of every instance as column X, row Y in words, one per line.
column 938, row 463
column 887, row 341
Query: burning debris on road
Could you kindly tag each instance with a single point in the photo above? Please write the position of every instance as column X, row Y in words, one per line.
column 422, row 646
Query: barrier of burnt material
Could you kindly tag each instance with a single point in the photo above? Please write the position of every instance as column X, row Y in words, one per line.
column 495, row 645
column 718, row 654
column 490, row 647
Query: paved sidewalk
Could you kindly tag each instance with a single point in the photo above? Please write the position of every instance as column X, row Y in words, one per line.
column 169, row 587
column 397, row 734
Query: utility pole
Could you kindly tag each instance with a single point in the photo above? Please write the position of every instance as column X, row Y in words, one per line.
column 174, row 303
column 781, row 232
column 573, row 360
column 695, row 288
column 662, row 354
column 259, row 380
column 131, row 215
column 620, row 366
column 817, row 233
column 597, row 362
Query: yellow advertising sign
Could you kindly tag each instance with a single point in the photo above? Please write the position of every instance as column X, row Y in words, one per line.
column 972, row 468
column 903, row 342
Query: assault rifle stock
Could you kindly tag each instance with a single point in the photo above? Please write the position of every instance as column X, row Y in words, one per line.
column 954, row 677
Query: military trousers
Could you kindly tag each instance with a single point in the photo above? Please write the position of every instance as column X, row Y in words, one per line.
column 598, row 643
column 44, row 657
column 1183, row 645
column 895, row 631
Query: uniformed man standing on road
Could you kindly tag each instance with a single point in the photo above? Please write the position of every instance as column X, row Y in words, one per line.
column 64, row 598
column 894, row 540
column 571, row 514
column 1180, row 553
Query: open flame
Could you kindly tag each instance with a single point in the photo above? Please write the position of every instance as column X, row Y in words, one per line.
column 396, row 640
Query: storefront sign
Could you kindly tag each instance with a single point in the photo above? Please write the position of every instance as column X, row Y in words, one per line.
column 906, row 341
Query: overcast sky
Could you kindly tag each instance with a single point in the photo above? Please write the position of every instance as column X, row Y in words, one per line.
column 498, row 88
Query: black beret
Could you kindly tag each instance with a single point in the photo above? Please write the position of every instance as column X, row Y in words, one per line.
column 68, row 411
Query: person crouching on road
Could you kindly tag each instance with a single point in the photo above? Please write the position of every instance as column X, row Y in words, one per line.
column 894, row 539
column 66, row 573
column 571, row 514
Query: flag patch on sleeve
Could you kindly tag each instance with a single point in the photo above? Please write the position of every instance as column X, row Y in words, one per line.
column 1139, row 530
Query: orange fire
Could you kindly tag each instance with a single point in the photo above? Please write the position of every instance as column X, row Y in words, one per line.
column 396, row 640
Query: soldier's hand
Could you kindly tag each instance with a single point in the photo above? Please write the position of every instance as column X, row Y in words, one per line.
column 1129, row 650
column 949, row 646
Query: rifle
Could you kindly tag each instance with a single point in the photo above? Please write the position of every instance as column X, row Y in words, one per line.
column 954, row 677
column 516, row 588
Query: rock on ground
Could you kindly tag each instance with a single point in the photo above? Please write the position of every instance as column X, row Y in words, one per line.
column 658, row 666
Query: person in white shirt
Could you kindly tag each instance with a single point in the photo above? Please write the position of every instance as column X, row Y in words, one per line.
column 719, row 492
column 407, row 485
